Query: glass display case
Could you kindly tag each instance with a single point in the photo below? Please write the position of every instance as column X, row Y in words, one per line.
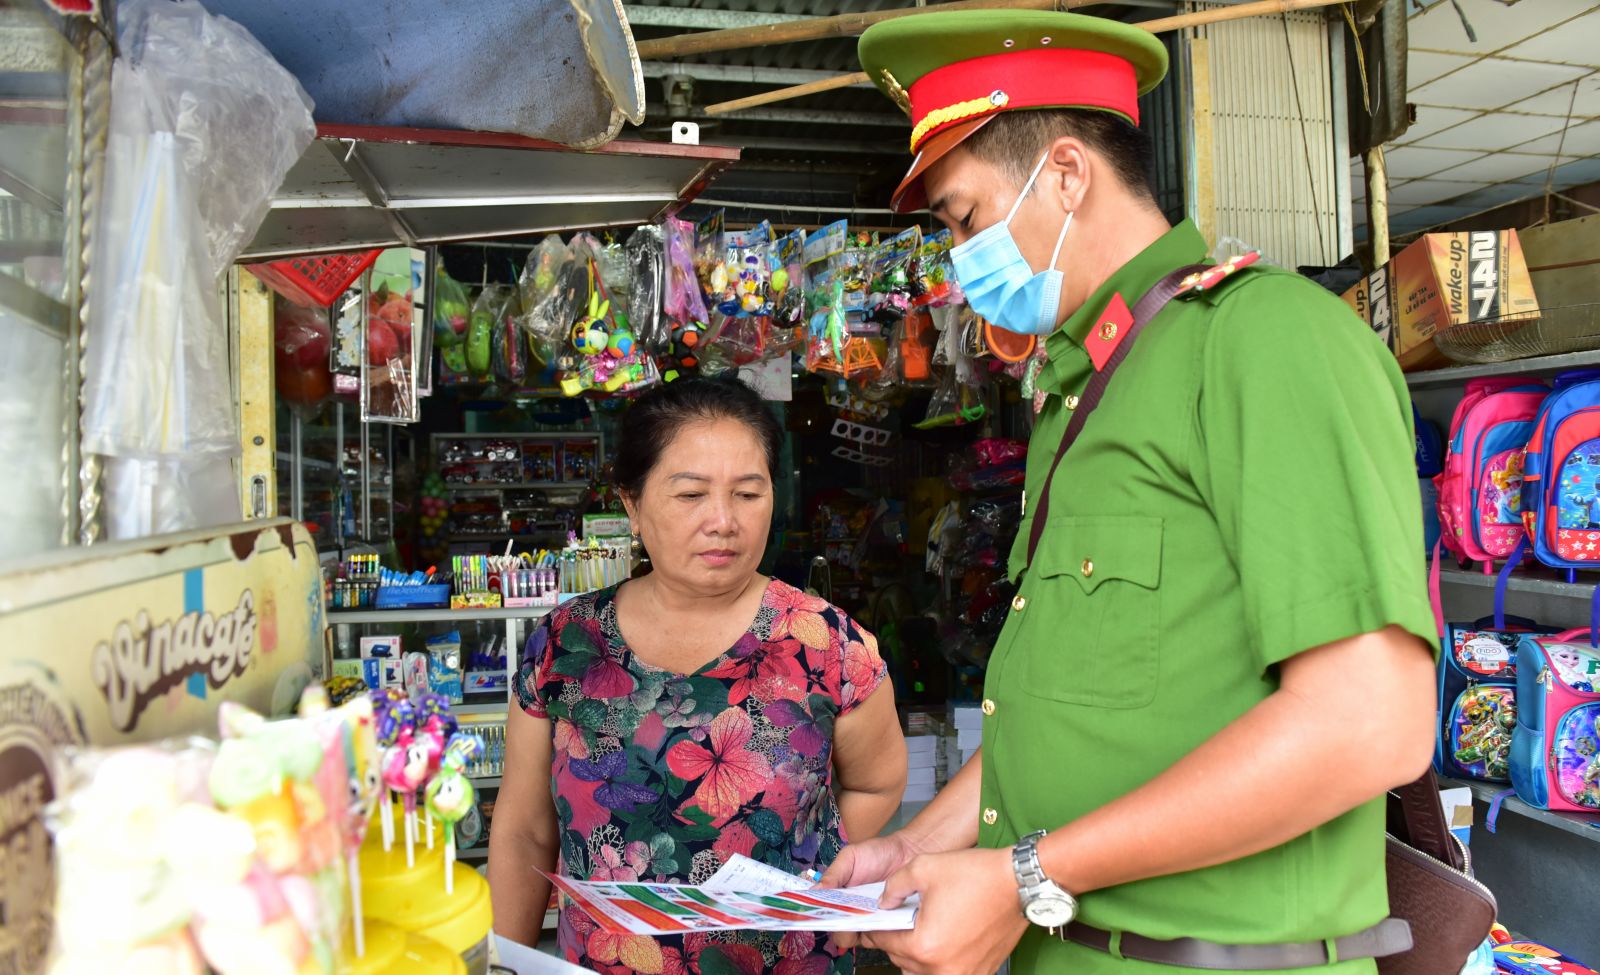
column 528, row 487
column 336, row 475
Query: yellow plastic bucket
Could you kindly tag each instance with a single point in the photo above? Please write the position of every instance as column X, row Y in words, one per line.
column 414, row 897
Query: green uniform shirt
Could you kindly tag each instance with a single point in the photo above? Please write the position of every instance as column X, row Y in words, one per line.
column 1245, row 491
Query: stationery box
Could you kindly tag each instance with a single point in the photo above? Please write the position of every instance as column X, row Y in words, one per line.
column 966, row 717
column 380, row 662
column 919, row 793
column 919, row 776
column 969, row 740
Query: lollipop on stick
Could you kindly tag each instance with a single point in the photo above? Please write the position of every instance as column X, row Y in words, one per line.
column 434, row 717
column 394, row 714
column 450, row 796
column 405, row 770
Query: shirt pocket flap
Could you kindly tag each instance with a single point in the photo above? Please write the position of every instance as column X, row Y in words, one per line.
column 1095, row 548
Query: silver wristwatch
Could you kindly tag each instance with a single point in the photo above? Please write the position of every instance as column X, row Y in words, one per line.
column 1044, row 902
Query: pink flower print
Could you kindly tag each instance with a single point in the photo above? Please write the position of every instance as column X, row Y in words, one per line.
column 729, row 773
column 752, row 659
column 799, row 616
column 809, row 965
column 605, row 679
column 797, row 944
column 734, row 838
column 625, row 867
column 745, row 959
column 569, row 739
column 636, row 951
column 588, row 813
column 672, row 962
column 861, row 667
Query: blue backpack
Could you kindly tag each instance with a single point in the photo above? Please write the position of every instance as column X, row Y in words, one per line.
column 1561, row 475
column 1477, row 698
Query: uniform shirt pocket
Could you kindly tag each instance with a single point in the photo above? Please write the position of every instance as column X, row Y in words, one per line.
column 1092, row 619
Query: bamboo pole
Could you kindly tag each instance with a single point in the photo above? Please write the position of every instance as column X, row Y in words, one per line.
column 806, row 30
column 842, row 25
column 784, row 94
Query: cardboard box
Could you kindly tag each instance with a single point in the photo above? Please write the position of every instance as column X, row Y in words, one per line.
column 1439, row 282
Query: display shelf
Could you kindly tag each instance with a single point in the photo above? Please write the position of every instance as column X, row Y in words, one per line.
column 472, row 855
column 1586, row 825
column 345, row 617
column 1515, row 367
column 485, row 781
column 479, row 710
column 525, row 486
column 1544, row 581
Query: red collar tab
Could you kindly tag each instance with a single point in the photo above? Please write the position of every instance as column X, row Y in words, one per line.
column 1041, row 77
column 1212, row 276
column 1108, row 331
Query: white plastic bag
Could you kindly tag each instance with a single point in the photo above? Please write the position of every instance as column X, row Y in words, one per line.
column 204, row 126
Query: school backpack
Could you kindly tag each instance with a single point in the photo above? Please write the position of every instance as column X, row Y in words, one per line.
column 1561, row 475
column 1555, row 751
column 1478, row 698
column 1480, row 488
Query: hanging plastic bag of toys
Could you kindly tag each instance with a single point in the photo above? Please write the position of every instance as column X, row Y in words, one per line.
column 646, row 254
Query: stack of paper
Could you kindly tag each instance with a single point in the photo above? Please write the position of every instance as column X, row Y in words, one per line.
column 964, row 737
column 923, row 766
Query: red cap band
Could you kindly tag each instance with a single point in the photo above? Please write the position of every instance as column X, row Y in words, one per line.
column 1034, row 78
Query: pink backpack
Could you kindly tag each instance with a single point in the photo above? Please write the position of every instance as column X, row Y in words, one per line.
column 1480, row 489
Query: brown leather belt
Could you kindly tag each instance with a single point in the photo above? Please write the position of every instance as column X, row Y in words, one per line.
column 1390, row 936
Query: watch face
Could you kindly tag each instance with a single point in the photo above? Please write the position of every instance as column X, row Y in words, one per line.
column 1051, row 912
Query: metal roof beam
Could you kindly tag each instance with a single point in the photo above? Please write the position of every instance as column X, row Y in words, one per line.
column 803, row 116
column 739, row 73
column 815, row 145
column 642, row 16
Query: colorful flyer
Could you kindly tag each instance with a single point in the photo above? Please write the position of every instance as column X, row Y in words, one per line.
column 656, row 909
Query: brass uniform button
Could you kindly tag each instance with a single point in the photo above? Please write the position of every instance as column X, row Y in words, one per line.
column 988, row 707
column 1108, row 331
column 1071, row 402
column 990, row 817
column 1088, row 568
column 1019, row 603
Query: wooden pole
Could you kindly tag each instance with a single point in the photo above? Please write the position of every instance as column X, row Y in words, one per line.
column 806, row 30
column 843, row 25
column 1378, row 206
column 784, row 94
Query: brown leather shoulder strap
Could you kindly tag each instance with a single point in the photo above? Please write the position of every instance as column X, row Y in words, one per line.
column 1144, row 309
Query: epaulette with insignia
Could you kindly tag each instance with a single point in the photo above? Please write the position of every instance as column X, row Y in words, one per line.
column 1202, row 281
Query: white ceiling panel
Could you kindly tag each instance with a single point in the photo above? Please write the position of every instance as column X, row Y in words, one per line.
column 1558, row 100
column 1431, row 120
column 1415, row 162
column 1492, row 132
column 1500, row 167
column 1572, row 42
column 1496, row 24
column 1494, row 83
column 1420, row 192
column 1581, row 140
column 1424, row 66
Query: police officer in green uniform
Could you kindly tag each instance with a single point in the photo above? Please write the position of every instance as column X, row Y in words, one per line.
column 1220, row 655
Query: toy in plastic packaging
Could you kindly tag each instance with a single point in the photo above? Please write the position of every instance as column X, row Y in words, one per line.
column 300, row 355
column 646, row 254
column 747, row 272
column 488, row 314
column 708, row 257
column 682, row 302
column 933, row 275
column 1533, row 958
column 510, row 348
column 892, row 287
column 451, row 311
column 788, row 281
column 553, row 285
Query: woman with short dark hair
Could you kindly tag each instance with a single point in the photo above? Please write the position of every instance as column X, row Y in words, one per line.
column 696, row 712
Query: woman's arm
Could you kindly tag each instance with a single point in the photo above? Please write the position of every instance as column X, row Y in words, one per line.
column 869, row 764
column 524, row 835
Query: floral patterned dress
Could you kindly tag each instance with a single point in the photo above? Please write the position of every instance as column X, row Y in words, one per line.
column 662, row 777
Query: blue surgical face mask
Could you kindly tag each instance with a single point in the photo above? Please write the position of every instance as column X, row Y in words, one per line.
column 1000, row 284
